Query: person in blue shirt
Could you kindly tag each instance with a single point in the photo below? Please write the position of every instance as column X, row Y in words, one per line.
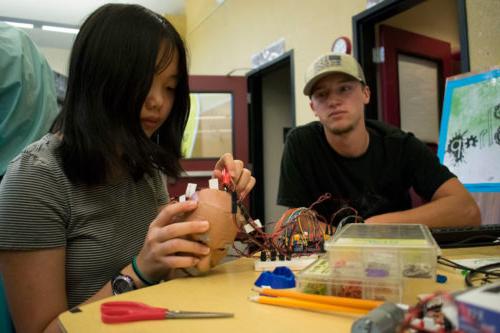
column 28, row 104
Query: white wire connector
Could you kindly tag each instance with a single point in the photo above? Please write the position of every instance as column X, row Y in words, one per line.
column 213, row 183
column 249, row 228
column 182, row 198
column 190, row 189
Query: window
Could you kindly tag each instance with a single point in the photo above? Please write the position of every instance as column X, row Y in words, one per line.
column 209, row 131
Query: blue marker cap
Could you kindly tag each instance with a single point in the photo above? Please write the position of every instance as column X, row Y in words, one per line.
column 281, row 278
column 441, row 278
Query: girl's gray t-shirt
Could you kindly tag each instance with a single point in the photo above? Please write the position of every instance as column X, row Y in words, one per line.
column 101, row 227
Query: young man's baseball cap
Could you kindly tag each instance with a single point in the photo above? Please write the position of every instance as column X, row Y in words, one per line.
column 332, row 63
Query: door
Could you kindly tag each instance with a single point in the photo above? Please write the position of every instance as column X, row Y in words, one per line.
column 414, row 70
column 218, row 123
column 365, row 40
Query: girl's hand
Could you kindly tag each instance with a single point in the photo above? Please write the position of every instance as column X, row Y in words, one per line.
column 242, row 177
column 165, row 246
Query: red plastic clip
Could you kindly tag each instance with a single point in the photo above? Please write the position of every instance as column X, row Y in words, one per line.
column 226, row 179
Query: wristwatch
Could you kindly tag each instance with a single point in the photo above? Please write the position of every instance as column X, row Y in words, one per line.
column 121, row 284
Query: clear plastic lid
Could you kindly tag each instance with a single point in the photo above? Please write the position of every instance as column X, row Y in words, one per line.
column 383, row 235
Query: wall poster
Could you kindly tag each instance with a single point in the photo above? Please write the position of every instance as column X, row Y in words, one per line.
column 469, row 140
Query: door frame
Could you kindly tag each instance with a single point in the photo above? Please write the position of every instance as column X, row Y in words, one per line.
column 397, row 41
column 255, row 109
column 364, row 40
column 199, row 170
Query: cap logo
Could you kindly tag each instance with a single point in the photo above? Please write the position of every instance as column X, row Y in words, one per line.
column 328, row 61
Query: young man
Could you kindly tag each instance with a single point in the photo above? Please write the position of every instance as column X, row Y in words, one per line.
column 367, row 164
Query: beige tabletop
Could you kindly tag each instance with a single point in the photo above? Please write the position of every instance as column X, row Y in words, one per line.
column 227, row 288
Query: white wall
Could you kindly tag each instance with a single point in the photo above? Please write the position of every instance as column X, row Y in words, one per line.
column 58, row 59
column 224, row 37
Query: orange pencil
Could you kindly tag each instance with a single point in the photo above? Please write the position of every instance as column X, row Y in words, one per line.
column 332, row 300
column 295, row 303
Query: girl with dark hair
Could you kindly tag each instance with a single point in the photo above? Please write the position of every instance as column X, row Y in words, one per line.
column 83, row 211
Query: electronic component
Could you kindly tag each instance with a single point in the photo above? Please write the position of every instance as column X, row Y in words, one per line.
column 299, row 231
column 295, row 264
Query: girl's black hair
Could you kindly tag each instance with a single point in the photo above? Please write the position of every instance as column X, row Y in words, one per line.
column 112, row 65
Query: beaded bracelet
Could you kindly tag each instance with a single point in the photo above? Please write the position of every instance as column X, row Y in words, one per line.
column 140, row 275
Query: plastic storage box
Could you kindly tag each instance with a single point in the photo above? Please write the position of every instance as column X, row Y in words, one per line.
column 388, row 251
column 318, row 278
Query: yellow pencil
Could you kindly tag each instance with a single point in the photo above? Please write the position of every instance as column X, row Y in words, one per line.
column 295, row 303
column 332, row 300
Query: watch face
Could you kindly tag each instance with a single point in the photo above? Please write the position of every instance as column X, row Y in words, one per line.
column 121, row 284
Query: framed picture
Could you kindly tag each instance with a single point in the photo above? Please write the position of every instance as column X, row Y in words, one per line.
column 469, row 139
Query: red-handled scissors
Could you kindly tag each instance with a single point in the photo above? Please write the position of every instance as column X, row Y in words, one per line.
column 123, row 311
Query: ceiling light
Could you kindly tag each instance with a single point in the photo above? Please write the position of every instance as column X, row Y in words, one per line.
column 60, row 29
column 20, row 25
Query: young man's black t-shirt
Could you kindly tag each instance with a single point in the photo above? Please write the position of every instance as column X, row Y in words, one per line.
column 374, row 183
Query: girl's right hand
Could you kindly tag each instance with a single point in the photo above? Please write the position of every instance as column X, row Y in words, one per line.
column 165, row 241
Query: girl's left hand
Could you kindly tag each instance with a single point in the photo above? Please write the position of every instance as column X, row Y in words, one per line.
column 242, row 177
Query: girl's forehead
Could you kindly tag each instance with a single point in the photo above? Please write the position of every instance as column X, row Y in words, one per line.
column 167, row 53
column 169, row 69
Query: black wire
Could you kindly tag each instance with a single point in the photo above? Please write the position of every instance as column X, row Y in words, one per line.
column 484, row 270
column 449, row 263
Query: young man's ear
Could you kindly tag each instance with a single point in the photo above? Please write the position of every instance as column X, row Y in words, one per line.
column 311, row 105
column 366, row 94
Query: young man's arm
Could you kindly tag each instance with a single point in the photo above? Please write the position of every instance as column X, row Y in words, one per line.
column 451, row 205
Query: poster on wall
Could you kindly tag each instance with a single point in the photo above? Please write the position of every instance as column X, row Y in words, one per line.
column 469, row 140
